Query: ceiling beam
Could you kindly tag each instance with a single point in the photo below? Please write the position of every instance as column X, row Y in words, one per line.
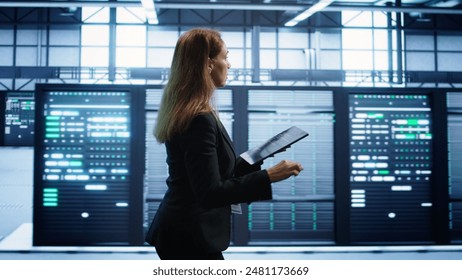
column 218, row 6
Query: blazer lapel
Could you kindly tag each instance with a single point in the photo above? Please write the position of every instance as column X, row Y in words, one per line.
column 226, row 136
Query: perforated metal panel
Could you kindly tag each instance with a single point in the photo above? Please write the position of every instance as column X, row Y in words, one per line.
column 302, row 209
column 454, row 103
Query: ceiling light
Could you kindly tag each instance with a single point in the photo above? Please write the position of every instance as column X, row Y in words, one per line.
column 446, row 4
column 150, row 10
column 309, row 12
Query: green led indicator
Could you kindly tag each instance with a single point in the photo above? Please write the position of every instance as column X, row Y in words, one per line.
column 52, row 129
column 412, row 122
column 52, row 135
column 409, row 136
column 384, row 172
column 50, row 197
column 249, row 225
column 375, row 115
column 50, row 204
column 52, row 118
column 52, row 123
column 75, row 163
column 271, row 216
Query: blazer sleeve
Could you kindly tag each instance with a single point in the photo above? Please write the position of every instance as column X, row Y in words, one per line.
column 243, row 168
column 203, row 171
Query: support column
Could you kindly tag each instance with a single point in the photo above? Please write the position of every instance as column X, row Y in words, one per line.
column 112, row 43
column 256, row 48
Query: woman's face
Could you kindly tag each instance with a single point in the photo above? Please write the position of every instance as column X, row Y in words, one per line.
column 219, row 67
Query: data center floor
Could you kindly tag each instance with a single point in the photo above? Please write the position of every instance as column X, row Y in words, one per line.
column 18, row 246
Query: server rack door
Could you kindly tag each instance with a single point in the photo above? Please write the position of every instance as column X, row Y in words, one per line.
column 86, row 180
column 391, row 162
column 454, row 118
column 19, row 119
column 302, row 209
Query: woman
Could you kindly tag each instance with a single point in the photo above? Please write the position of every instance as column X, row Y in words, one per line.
column 205, row 177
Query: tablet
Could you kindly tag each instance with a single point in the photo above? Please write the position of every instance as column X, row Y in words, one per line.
column 275, row 144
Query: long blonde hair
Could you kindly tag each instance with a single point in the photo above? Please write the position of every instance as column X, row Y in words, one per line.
column 189, row 88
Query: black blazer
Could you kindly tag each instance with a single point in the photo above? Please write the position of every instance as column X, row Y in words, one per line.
column 205, row 178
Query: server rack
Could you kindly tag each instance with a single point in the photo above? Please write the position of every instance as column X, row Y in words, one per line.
column 87, row 159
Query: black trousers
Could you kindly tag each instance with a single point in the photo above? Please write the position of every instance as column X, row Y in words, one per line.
column 184, row 254
column 180, row 245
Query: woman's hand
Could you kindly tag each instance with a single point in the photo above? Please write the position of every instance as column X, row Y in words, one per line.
column 284, row 170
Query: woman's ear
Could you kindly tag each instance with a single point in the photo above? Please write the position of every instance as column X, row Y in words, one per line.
column 210, row 65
